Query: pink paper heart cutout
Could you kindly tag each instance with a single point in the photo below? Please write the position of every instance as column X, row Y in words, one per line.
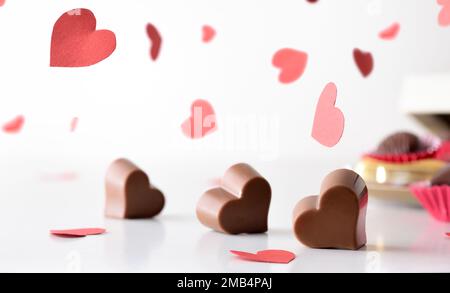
column 15, row 125
column 444, row 15
column 208, row 33
column 2, row 2
column 390, row 33
column 269, row 256
column 329, row 120
column 292, row 64
column 78, row 232
column 202, row 121
column 77, row 43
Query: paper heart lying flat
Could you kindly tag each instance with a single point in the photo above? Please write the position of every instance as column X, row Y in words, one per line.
column 76, row 43
column 78, row 232
column 337, row 217
column 129, row 193
column 240, row 205
column 269, row 256
column 292, row 64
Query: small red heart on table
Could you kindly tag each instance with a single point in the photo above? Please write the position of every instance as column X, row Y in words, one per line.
column 15, row 125
column 202, row 121
column 390, row 32
column 208, row 33
column 269, row 256
column 78, row 232
column 364, row 61
column 77, row 43
column 444, row 15
column 155, row 39
column 329, row 121
column 292, row 64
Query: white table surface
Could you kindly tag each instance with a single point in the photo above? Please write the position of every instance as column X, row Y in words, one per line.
column 400, row 239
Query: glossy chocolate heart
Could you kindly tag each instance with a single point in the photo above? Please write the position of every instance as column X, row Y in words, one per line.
column 336, row 218
column 129, row 193
column 240, row 205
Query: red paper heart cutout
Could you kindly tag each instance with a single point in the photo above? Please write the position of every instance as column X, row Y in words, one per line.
column 364, row 61
column 156, row 41
column 76, row 43
column 329, row 121
column 448, row 234
column 15, row 125
column 78, row 232
column 292, row 64
column 2, row 2
column 269, row 256
column 202, row 121
column 444, row 15
column 208, row 33
column 391, row 32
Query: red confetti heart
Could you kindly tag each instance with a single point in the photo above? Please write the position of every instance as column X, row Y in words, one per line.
column 2, row 2
column 78, row 232
column 269, row 256
column 448, row 234
column 208, row 33
column 76, row 43
column 390, row 33
column 364, row 61
column 444, row 15
column 329, row 120
column 292, row 64
column 15, row 125
column 155, row 39
column 202, row 121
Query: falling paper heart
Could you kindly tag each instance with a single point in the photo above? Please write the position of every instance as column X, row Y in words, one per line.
column 364, row 61
column 269, row 256
column 15, row 125
column 77, row 43
column 202, row 121
column 73, row 124
column 444, row 15
column 78, row 232
column 390, row 33
column 208, row 33
column 156, row 41
column 448, row 234
column 2, row 2
column 329, row 120
column 292, row 64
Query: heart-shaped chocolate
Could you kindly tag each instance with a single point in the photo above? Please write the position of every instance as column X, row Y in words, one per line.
column 129, row 193
column 337, row 217
column 240, row 205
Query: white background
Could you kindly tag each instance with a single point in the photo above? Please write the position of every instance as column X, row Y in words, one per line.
column 130, row 106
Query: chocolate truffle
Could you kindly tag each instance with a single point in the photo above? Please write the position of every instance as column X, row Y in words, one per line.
column 442, row 177
column 399, row 143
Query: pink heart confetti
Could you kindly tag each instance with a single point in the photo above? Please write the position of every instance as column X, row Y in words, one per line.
column 329, row 120
column 15, row 125
column 202, row 121
column 292, row 64
column 444, row 15
column 390, row 33
column 78, row 232
column 208, row 33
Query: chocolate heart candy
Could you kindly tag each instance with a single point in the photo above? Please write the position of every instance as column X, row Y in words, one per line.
column 129, row 193
column 399, row 143
column 337, row 217
column 442, row 177
column 239, row 205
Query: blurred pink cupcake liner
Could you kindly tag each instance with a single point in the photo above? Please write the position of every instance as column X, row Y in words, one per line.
column 435, row 199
